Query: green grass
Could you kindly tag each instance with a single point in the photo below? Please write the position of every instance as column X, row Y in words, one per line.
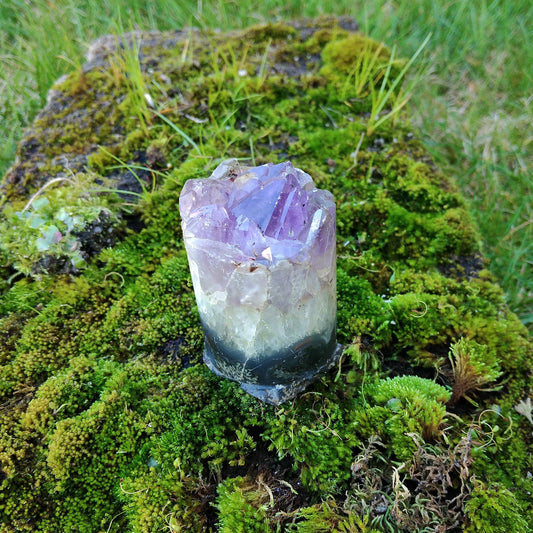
column 474, row 108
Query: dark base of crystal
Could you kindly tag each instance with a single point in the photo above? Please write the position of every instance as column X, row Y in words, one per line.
column 276, row 378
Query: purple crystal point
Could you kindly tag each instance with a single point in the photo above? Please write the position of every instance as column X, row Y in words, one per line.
column 261, row 247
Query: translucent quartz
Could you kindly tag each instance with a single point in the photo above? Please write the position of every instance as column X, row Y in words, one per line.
column 261, row 248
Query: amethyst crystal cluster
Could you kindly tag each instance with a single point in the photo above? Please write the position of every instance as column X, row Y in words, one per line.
column 261, row 248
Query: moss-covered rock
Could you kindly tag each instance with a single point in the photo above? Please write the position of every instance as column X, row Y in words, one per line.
column 109, row 421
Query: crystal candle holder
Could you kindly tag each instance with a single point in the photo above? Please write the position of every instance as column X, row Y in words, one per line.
column 261, row 249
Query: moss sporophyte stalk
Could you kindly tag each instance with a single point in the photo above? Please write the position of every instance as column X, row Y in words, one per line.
column 110, row 421
column 262, row 252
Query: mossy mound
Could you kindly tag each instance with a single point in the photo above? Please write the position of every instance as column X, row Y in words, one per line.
column 109, row 421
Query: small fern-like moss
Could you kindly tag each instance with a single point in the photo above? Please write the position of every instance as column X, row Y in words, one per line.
column 495, row 509
column 242, row 507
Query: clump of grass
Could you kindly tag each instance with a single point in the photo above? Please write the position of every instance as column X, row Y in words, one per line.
column 127, row 69
column 474, row 367
column 393, row 94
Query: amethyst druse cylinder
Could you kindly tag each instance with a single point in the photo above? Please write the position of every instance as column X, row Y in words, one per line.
column 261, row 248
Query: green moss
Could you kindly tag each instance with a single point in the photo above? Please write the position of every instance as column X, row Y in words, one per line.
column 373, row 315
column 103, row 158
column 341, row 55
column 506, row 460
column 272, row 31
column 84, row 501
column 67, row 394
column 417, row 187
column 320, row 38
column 214, row 433
column 329, row 517
column 154, row 502
column 400, row 409
column 319, row 437
column 495, row 509
column 81, row 95
column 360, row 65
column 242, row 507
